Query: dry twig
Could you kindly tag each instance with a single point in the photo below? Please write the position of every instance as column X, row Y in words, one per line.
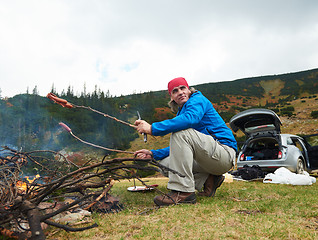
column 59, row 178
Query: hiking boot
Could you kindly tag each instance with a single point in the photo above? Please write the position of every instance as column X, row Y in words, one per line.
column 211, row 184
column 175, row 197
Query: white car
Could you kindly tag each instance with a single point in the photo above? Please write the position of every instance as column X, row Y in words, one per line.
column 267, row 148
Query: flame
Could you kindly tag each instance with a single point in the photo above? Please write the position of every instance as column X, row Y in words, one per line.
column 32, row 180
column 22, row 186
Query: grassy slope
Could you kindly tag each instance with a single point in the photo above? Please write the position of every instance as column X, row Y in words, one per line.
column 240, row 210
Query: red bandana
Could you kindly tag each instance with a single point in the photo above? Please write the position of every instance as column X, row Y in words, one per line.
column 176, row 83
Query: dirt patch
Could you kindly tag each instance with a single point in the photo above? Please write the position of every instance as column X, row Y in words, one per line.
column 248, row 211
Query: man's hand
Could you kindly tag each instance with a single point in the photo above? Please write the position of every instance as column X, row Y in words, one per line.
column 143, row 153
column 143, row 126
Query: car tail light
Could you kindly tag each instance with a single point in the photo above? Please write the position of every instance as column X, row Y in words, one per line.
column 242, row 157
column 280, row 154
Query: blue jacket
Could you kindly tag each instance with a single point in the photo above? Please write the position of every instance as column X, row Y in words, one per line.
column 197, row 113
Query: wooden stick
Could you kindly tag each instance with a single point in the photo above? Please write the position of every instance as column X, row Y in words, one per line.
column 106, row 115
column 67, row 128
column 102, row 195
column 97, row 146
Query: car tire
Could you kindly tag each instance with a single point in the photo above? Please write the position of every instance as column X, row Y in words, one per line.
column 300, row 168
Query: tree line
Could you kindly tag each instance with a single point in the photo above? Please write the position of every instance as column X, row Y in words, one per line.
column 30, row 121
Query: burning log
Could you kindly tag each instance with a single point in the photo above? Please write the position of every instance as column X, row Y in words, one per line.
column 58, row 179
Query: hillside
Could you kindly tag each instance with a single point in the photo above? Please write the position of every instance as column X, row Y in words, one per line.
column 231, row 97
column 300, row 124
column 30, row 121
column 270, row 92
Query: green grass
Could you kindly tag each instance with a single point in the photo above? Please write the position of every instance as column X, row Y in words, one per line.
column 239, row 210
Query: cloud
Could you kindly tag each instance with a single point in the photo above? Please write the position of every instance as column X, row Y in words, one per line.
column 136, row 46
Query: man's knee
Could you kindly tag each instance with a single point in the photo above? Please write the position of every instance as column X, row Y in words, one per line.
column 183, row 133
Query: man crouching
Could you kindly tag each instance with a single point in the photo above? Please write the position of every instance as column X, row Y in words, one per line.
column 202, row 147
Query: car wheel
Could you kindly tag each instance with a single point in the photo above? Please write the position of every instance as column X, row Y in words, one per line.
column 300, row 166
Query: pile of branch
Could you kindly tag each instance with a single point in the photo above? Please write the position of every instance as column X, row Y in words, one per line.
column 58, row 179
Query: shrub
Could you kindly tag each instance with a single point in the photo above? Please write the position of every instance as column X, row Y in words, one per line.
column 286, row 113
column 290, row 109
column 314, row 114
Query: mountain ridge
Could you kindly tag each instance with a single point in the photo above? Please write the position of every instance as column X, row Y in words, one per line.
column 31, row 121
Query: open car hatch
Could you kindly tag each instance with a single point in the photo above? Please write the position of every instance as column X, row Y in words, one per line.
column 256, row 120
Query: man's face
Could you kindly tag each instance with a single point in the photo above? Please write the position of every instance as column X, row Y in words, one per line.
column 180, row 95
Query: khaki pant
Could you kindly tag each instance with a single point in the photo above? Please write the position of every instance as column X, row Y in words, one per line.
column 196, row 155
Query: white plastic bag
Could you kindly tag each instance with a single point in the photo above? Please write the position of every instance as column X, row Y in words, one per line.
column 284, row 176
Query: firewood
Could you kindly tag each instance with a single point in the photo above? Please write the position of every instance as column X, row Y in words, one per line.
column 58, row 180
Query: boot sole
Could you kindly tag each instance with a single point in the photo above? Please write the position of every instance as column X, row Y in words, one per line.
column 189, row 201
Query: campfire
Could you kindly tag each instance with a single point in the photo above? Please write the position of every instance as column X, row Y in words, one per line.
column 28, row 203
column 24, row 185
column 38, row 186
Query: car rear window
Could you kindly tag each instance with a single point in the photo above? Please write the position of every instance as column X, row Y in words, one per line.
column 267, row 127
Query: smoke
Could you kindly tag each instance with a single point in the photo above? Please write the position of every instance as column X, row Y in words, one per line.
column 31, row 122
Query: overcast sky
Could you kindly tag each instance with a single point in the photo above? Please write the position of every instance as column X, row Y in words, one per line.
column 133, row 46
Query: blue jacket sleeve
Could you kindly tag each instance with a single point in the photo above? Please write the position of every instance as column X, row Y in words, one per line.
column 185, row 119
column 160, row 154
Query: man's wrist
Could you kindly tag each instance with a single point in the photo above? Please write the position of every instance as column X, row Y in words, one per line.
column 151, row 153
